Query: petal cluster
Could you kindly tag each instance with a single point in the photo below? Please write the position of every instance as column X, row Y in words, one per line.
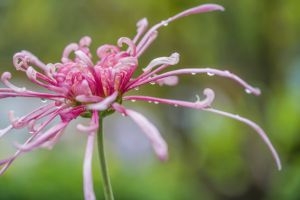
column 77, row 86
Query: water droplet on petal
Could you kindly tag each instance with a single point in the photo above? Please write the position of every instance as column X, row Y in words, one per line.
column 227, row 72
column 165, row 23
column 210, row 74
column 156, row 102
column 133, row 100
column 248, row 91
column 43, row 100
column 197, row 98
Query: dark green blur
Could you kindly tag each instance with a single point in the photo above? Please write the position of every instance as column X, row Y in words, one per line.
column 211, row 157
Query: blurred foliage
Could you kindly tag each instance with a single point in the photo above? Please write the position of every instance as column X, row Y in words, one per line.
column 211, row 157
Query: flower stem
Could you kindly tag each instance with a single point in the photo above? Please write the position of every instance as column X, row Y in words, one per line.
column 108, row 193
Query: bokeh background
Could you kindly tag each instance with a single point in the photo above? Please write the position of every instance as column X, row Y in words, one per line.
column 211, row 157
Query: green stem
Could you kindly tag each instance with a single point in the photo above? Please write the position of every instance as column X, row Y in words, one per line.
column 108, row 193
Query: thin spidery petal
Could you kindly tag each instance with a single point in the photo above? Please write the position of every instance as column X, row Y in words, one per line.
column 254, row 126
column 89, row 193
column 198, row 9
column 5, row 130
column 159, row 145
column 88, row 185
column 43, row 138
column 209, row 93
column 24, row 58
column 9, row 161
column 141, row 28
column 170, row 81
column 195, row 10
column 141, row 49
column 209, row 71
column 6, row 76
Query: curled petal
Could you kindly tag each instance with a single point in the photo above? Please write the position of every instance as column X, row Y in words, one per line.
column 19, row 61
column 35, row 61
column 104, row 104
column 159, row 145
column 67, row 51
column 171, row 81
column 105, row 50
column 22, row 60
column 172, row 60
column 131, row 45
column 209, row 93
column 5, row 79
column 254, row 126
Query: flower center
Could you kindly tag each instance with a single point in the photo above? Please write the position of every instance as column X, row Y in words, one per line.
column 86, row 80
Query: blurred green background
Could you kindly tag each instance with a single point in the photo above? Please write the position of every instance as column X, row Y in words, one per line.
column 210, row 157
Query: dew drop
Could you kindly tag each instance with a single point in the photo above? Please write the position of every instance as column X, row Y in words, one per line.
column 43, row 100
column 248, row 91
column 197, row 98
column 133, row 100
column 227, row 72
column 210, row 74
column 156, row 102
column 165, row 23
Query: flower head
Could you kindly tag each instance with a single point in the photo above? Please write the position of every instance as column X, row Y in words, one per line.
column 80, row 87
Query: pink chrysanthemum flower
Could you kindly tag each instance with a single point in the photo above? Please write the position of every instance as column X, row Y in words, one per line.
column 80, row 87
